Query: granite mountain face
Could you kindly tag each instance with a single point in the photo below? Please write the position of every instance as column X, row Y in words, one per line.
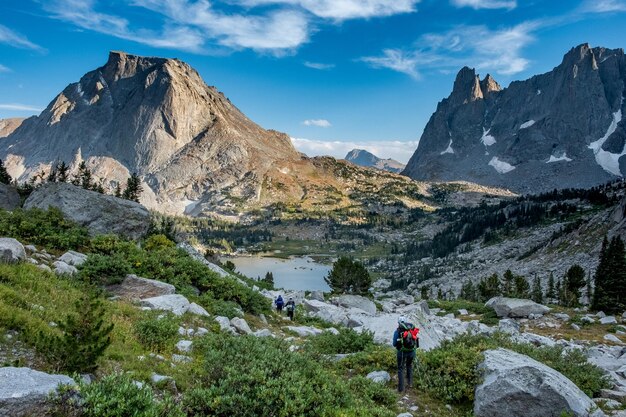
column 367, row 159
column 560, row 129
column 155, row 117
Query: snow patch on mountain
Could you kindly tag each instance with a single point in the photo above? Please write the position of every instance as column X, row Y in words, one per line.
column 527, row 124
column 501, row 166
column 607, row 160
column 487, row 139
column 448, row 149
column 559, row 158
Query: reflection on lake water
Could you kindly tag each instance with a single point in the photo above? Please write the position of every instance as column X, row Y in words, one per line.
column 296, row 273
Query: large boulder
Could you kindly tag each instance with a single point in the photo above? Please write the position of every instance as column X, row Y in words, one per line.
column 516, row 385
column 11, row 250
column 515, row 307
column 24, row 391
column 175, row 303
column 99, row 213
column 9, row 198
column 355, row 301
column 137, row 288
column 73, row 258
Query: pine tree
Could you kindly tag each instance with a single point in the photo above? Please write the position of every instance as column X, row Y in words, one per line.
column 468, row 291
column 489, row 287
column 610, row 279
column 52, row 176
column 508, row 283
column 83, row 338
column 558, row 291
column 573, row 282
column 537, row 293
column 5, row 178
column 550, row 294
column 118, row 190
column 133, row 188
column 348, row 276
column 425, row 292
column 439, row 294
column 84, row 177
column 521, row 288
column 269, row 278
column 62, row 172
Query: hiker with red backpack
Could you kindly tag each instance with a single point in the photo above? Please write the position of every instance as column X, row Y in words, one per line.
column 406, row 342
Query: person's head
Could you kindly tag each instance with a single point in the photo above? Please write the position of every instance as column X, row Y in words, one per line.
column 290, row 299
column 402, row 320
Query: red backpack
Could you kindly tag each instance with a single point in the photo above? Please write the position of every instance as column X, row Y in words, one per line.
column 409, row 336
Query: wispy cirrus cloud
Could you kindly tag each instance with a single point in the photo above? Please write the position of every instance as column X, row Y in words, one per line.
column 344, row 9
column 486, row 4
column 498, row 51
column 4, row 69
column 17, row 40
column 318, row 65
column 604, row 6
column 20, row 107
column 317, row 123
column 275, row 26
column 399, row 150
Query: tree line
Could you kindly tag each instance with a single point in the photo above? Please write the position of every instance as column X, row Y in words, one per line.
column 606, row 291
column 83, row 177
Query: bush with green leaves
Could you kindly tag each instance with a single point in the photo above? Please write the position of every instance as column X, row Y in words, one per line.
column 116, row 395
column 348, row 276
column 250, row 377
column 157, row 330
column 347, row 341
column 47, row 228
column 104, row 269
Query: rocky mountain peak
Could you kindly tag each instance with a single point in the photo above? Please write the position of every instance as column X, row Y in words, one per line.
column 364, row 158
column 561, row 129
column 466, row 86
column 489, row 85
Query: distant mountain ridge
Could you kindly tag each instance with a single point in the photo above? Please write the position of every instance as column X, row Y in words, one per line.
column 560, row 129
column 367, row 159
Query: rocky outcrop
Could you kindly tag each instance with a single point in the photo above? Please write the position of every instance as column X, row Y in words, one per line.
column 174, row 303
column 367, row 159
column 25, row 392
column 137, row 288
column 99, row 213
column 561, row 129
column 9, row 198
column 355, row 301
column 73, row 258
column 8, row 126
column 516, row 307
column 516, row 385
column 11, row 251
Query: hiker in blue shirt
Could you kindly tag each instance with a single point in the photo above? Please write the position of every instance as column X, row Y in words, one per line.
column 406, row 342
column 279, row 304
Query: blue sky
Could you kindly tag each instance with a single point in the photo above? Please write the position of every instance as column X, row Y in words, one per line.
column 333, row 74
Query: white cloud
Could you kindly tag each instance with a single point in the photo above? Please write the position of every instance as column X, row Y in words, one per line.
column 318, row 65
column 486, row 4
column 398, row 150
column 498, row 51
column 4, row 69
column 16, row 40
column 604, row 6
column 317, row 122
column 20, row 107
column 344, row 9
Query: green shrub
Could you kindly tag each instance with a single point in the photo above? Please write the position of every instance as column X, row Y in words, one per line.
column 156, row 242
column 454, row 305
column 113, row 244
column 104, row 270
column 347, row 341
column 117, row 395
column 230, row 290
column 47, row 228
column 220, row 307
column 374, row 358
column 490, row 318
column 82, row 340
column 157, row 333
column 247, row 377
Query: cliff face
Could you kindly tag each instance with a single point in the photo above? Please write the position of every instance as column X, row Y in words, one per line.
column 155, row 117
column 556, row 130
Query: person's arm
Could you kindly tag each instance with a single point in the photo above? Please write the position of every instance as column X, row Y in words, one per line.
column 395, row 339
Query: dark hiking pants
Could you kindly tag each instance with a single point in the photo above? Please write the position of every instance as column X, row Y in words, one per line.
column 405, row 361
